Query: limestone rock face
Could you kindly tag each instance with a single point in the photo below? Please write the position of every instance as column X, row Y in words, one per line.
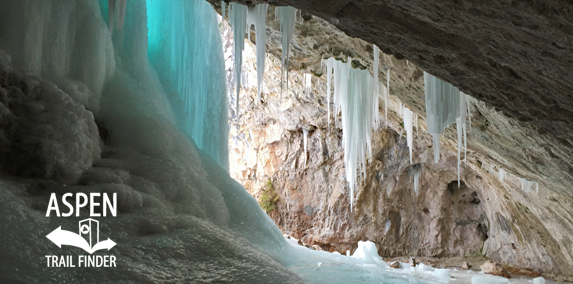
column 514, row 55
column 481, row 216
column 493, row 268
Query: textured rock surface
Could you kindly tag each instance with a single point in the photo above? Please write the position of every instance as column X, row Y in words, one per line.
column 514, row 55
column 482, row 216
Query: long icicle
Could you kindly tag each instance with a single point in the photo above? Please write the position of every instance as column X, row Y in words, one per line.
column 223, row 10
column 353, row 97
column 238, row 19
column 287, row 19
column 376, row 85
column 409, row 126
column 259, row 17
column 387, row 96
column 329, row 63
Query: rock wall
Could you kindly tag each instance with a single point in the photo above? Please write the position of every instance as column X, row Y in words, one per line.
column 483, row 216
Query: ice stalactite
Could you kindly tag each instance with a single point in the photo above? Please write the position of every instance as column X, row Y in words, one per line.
column 305, row 138
column 238, row 20
column 445, row 105
column 387, row 100
column 257, row 16
column 461, row 129
column 223, row 9
column 415, row 173
column 501, row 174
column 116, row 14
column 329, row 64
column 354, row 95
column 307, row 83
column 416, row 123
column 409, row 126
column 287, row 19
column 526, row 185
column 468, row 103
column 376, row 84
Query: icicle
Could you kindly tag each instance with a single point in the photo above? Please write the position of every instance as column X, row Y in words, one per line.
column 436, row 147
column 329, row 64
column 118, row 15
column 277, row 12
column 287, row 19
column 408, row 125
column 353, row 98
column 459, row 131
column 307, row 83
column 387, row 97
column 223, row 9
column 238, row 19
column 111, row 15
column 387, row 225
column 415, row 173
column 526, row 185
column 502, row 173
column 121, row 9
column 465, row 143
column 376, row 85
column 257, row 16
column 460, row 128
column 469, row 110
column 444, row 106
column 305, row 133
column 416, row 122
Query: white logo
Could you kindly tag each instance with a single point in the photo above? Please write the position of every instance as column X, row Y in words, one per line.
column 86, row 231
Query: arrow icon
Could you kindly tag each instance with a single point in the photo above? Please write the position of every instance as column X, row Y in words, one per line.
column 62, row 237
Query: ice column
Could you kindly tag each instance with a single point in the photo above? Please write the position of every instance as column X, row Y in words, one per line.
column 185, row 48
column 287, row 19
column 238, row 19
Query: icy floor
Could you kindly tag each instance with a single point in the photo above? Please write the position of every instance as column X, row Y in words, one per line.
column 364, row 266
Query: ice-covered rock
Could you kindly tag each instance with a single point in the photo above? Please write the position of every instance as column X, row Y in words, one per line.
column 45, row 133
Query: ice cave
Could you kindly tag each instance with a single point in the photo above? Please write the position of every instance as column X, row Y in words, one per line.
column 206, row 141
